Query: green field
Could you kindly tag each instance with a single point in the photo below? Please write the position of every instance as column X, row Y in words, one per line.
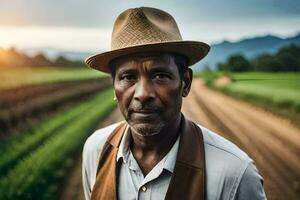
column 40, row 156
column 276, row 92
column 46, row 114
column 20, row 76
column 280, row 89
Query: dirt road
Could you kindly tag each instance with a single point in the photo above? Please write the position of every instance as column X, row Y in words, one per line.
column 271, row 141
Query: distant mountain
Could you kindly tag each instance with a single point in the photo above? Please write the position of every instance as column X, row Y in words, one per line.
column 53, row 53
column 248, row 47
column 219, row 52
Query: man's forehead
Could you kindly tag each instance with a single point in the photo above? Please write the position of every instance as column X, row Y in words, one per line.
column 154, row 58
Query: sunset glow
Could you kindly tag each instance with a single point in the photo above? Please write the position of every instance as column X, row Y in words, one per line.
column 54, row 37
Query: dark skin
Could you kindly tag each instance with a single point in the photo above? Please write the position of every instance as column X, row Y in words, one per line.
column 149, row 91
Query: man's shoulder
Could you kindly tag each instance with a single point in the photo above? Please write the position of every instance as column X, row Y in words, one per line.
column 226, row 165
column 230, row 171
column 96, row 141
column 91, row 154
column 217, row 144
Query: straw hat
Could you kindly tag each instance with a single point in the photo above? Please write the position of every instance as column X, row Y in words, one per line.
column 147, row 30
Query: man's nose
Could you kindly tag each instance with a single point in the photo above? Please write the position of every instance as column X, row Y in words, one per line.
column 144, row 90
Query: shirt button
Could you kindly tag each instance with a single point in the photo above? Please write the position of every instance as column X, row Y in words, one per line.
column 144, row 188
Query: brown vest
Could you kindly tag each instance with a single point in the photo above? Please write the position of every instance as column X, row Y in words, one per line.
column 188, row 179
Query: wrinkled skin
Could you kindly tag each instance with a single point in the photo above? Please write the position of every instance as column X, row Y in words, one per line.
column 149, row 91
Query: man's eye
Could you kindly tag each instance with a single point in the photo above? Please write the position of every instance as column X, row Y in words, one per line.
column 128, row 77
column 161, row 76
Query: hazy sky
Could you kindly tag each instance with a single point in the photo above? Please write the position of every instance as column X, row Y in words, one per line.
column 86, row 24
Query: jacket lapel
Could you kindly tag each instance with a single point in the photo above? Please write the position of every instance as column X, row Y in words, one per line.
column 105, row 186
column 188, row 180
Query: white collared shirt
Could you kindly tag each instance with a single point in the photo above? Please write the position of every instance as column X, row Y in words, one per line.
column 131, row 182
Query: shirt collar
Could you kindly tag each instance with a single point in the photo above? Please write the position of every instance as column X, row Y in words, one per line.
column 124, row 151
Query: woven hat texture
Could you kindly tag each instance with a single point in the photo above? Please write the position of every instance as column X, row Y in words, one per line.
column 147, row 29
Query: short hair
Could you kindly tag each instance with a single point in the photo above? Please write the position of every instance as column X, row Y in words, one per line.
column 180, row 61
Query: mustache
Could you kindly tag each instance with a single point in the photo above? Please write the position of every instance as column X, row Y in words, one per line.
column 148, row 107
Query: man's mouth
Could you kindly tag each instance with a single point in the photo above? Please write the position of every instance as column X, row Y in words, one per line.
column 147, row 112
column 144, row 111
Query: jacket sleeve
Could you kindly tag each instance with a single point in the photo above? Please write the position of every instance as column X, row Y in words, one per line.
column 251, row 185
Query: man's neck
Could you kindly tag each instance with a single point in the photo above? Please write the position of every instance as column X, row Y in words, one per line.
column 148, row 151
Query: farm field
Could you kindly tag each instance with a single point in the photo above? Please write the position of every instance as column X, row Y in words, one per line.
column 276, row 92
column 281, row 89
column 25, row 106
column 38, row 158
column 45, row 116
column 19, row 76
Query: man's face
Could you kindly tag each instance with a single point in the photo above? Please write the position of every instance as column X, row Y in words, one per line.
column 149, row 91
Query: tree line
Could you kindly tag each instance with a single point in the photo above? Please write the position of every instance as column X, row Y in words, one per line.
column 12, row 58
column 287, row 59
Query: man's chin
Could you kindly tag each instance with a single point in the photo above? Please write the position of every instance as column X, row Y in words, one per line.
column 146, row 129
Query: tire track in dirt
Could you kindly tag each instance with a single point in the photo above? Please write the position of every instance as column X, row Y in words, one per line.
column 270, row 141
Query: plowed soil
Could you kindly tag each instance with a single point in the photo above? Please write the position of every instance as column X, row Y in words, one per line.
column 271, row 141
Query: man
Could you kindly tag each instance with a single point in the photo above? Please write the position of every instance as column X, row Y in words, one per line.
column 157, row 153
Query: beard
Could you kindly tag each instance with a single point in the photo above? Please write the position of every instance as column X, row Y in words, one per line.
column 147, row 130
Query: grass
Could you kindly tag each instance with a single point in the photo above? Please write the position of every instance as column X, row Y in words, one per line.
column 267, row 76
column 280, row 89
column 276, row 92
column 20, row 76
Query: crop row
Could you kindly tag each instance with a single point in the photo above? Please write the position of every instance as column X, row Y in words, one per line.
column 31, row 139
column 38, row 173
column 33, row 107
column 13, row 77
column 19, row 95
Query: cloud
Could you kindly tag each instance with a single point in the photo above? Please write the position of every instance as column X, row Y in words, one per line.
column 100, row 13
column 87, row 24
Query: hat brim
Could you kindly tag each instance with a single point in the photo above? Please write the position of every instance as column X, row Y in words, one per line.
column 194, row 51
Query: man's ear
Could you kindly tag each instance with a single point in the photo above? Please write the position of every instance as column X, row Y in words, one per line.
column 187, row 81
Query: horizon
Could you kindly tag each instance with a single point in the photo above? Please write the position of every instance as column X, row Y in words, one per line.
column 91, row 50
